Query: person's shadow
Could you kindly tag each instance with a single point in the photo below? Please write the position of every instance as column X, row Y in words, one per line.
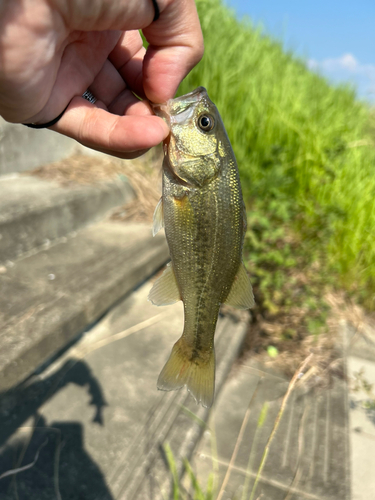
column 50, row 462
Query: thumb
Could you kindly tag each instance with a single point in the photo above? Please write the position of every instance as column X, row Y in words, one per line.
column 176, row 46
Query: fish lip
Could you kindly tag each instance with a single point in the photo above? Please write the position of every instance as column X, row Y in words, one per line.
column 163, row 110
column 191, row 97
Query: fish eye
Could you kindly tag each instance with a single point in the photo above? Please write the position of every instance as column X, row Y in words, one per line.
column 206, row 123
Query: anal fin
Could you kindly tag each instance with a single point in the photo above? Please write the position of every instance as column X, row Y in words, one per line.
column 241, row 294
column 165, row 290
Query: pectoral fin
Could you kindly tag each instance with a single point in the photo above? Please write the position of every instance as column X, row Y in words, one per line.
column 241, row 293
column 165, row 290
column 158, row 217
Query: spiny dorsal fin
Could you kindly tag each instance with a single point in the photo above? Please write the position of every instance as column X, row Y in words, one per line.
column 158, row 217
column 241, row 293
column 165, row 290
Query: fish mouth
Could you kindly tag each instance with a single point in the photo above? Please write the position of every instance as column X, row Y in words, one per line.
column 161, row 110
column 179, row 109
column 191, row 97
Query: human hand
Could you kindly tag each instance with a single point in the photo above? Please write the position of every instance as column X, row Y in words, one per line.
column 51, row 51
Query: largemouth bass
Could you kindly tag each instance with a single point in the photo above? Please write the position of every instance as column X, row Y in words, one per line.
column 204, row 217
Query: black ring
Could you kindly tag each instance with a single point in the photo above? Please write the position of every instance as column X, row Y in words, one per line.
column 157, row 11
column 46, row 125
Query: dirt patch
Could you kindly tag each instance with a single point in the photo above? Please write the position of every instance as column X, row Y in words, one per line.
column 80, row 169
column 327, row 347
column 145, row 178
column 144, row 175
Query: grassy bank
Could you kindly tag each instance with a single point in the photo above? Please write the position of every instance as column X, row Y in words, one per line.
column 302, row 145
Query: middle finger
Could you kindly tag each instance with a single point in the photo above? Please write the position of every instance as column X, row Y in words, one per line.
column 127, row 57
column 108, row 84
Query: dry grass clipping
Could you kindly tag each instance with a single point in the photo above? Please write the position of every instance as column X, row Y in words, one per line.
column 143, row 174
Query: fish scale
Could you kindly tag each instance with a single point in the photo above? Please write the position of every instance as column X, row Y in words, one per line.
column 205, row 222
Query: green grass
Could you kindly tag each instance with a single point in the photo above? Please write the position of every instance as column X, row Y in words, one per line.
column 300, row 142
column 307, row 162
column 212, row 492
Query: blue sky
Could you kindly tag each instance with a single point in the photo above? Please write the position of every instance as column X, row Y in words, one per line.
column 336, row 37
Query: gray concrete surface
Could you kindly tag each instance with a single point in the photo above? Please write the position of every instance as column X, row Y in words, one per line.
column 48, row 298
column 98, row 416
column 34, row 212
column 324, row 445
column 361, row 363
column 308, row 458
column 22, row 148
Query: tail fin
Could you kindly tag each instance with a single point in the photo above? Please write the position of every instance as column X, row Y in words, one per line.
column 197, row 373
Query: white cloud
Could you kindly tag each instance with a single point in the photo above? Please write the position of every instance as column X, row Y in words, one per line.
column 346, row 61
column 312, row 64
column 347, row 67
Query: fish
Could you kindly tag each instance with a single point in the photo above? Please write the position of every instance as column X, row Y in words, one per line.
column 204, row 217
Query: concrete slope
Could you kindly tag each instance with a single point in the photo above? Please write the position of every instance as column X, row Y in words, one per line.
column 34, row 212
column 23, row 148
column 48, row 298
column 360, row 352
column 308, row 457
column 98, row 415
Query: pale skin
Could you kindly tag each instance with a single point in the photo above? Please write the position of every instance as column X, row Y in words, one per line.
column 51, row 51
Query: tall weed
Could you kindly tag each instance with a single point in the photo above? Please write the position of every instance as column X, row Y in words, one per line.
column 298, row 140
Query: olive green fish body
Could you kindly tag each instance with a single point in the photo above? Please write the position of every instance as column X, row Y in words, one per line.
column 205, row 229
column 204, row 220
